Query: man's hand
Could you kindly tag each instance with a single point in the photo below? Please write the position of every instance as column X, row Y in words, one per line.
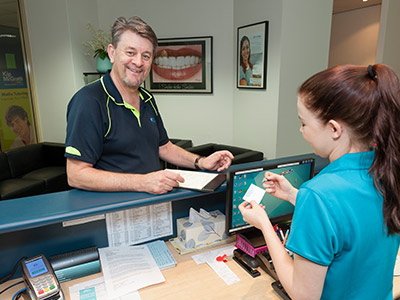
column 219, row 160
column 160, row 182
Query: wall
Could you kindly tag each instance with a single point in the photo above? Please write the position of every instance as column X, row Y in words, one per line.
column 57, row 61
column 389, row 43
column 299, row 33
column 265, row 120
column 306, row 27
column 354, row 36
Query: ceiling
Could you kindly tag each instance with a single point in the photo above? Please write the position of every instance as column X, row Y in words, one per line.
column 346, row 5
column 9, row 17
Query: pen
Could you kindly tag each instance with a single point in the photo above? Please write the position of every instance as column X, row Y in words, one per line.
column 286, row 236
column 281, row 233
column 282, row 173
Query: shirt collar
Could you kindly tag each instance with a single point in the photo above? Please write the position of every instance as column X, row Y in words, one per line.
column 351, row 161
column 112, row 90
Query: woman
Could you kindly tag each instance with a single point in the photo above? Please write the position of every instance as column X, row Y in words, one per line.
column 346, row 223
column 246, row 67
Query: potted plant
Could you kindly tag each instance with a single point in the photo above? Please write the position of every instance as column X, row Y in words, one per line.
column 97, row 47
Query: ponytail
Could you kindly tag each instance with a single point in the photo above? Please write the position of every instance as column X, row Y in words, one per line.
column 385, row 168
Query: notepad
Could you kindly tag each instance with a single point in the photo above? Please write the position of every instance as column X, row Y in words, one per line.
column 200, row 181
column 161, row 254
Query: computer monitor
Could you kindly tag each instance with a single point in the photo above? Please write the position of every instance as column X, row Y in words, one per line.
column 240, row 180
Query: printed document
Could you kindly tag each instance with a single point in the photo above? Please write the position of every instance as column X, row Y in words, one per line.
column 127, row 269
column 95, row 289
column 138, row 225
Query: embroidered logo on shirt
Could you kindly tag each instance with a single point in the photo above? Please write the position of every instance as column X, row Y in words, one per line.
column 152, row 120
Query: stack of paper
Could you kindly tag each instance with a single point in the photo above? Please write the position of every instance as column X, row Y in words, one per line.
column 127, row 269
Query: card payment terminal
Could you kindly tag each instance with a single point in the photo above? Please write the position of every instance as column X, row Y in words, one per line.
column 41, row 282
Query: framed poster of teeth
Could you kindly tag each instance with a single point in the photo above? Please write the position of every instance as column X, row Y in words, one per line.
column 182, row 65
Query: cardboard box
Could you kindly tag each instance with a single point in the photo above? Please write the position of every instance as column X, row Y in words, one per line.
column 208, row 230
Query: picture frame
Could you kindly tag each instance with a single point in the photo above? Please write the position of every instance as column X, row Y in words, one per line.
column 182, row 65
column 252, row 48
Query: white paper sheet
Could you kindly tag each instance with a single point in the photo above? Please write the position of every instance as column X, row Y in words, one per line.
column 127, row 269
column 96, row 290
column 224, row 272
column 138, row 225
column 194, row 179
column 219, row 267
column 254, row 193
column 211, row 255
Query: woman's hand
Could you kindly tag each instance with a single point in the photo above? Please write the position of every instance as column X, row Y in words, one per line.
column 254, row 214
column 278, row 186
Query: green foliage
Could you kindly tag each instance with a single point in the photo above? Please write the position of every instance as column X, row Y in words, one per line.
column 99, row 43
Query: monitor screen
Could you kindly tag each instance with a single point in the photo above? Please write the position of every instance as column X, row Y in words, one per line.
column 241, row 180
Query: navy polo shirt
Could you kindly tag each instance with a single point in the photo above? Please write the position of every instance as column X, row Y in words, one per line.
column 104, row 130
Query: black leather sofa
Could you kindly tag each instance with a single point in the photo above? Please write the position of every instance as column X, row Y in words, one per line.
column 242, row 155
column 183, row 143
column 33, row 170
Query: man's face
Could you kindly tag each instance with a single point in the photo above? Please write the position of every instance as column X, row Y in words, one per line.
column 19, row 126
column 131, row 59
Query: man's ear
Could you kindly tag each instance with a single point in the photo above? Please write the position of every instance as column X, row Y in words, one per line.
column 111, row 51
column 336, row 129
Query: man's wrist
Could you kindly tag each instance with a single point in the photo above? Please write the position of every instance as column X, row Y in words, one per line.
column 197, row 162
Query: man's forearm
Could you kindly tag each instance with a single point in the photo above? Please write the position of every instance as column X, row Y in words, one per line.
column 103, row 181
column 177, row 155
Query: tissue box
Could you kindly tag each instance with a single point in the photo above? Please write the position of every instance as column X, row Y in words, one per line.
column 202, row 232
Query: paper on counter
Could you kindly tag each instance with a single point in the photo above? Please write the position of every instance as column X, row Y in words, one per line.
column 127, row 269
column 219, row 267
column 254, row 193
column 96, row 290
column 224, row 272
column 213, row 254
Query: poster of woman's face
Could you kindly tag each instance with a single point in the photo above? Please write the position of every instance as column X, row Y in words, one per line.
column 252, row 55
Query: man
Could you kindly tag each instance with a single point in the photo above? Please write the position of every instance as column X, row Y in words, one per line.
column 115, row 134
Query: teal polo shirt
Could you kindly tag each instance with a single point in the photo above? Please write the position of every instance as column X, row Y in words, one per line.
column 104, row 130
column 338, row 222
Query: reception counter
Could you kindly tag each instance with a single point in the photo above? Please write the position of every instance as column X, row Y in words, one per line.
column 34, row 225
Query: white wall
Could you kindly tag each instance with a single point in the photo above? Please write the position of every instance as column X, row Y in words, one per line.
column 306, row 27
column 389, row 42
column 56, row 30
column 298, row 45
column 354, row 36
